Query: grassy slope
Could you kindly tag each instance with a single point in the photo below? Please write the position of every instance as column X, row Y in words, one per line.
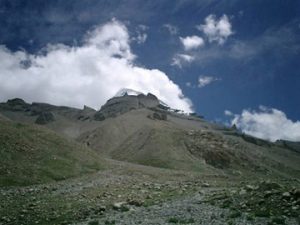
column 32, row 154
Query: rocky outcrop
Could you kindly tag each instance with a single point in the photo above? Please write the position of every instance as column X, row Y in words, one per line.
column 99, row 116
column 45, row 118
column 158, row 116
column 86, row 114
column 16, row 104
column 120, row 105
column 147, row 101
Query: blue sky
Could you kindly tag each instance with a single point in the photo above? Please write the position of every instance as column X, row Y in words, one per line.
column 247, row 59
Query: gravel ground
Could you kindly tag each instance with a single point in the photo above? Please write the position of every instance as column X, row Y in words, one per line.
column 185, row 210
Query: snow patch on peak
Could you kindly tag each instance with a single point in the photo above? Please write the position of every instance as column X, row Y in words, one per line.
column 127, row 91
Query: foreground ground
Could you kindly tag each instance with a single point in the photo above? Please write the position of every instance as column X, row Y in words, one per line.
column 133, row 194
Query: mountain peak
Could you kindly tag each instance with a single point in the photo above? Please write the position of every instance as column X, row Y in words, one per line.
column 130, row 92
column 127, row 91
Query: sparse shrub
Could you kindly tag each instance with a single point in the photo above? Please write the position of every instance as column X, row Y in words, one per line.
column 173, row 220
column 191, row 220
column 181, row 221
column 93, row 222
column 230, row 222
column 262, row 213
column 110, row 222
column 278, row 220
column 226, row 203
column 235, row 214
column 250, row 217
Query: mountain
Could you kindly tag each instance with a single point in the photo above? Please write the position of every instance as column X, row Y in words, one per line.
column 137, row 128
column 137, row 161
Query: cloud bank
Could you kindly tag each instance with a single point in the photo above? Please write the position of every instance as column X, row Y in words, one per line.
column 267, row 123
column 89, row 74
column 216, row 30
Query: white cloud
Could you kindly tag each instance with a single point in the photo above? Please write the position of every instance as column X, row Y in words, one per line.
column 171, row 28
column 192, row 42
column 181, row 59
column 228, row 113
column 216, row 30
column 89, row 74
column 270, row 124
column 206, row 80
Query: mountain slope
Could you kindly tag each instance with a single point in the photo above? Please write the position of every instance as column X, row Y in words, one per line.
column 139, row 129
column 31, row 154
column 188, row 143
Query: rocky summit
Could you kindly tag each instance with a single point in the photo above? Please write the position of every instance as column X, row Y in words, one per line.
column 137, row 161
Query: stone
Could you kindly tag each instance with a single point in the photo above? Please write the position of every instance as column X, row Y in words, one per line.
column 159, row 116
column 205, row 185
column 243, row 192
column 268, row 185
column 296, row 193
column 249, row 187
column 267, row 194
column 120, row 206
column 99, row 116
column 135, row 202
column 286, row 195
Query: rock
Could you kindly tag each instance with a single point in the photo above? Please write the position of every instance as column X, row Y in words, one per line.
column 249, row 187
column 100, row 209
column 44, row 118
column 135, row 202
column 243, row 192
column 277, row 220
column 286, row 195
column 99, row 116
column 296, row 193
column 268, row 185
column 17, row 104
column 149, row 197
column 125, row 103
column 120, row 206
column 159, row 116
column 267, row 194
column 205, row 185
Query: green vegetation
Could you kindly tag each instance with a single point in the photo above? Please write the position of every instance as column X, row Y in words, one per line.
column 110, row 222
column 266, row 199
column 181, row 221
column 235, row 214
column 30, row 155
column 93, row 222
